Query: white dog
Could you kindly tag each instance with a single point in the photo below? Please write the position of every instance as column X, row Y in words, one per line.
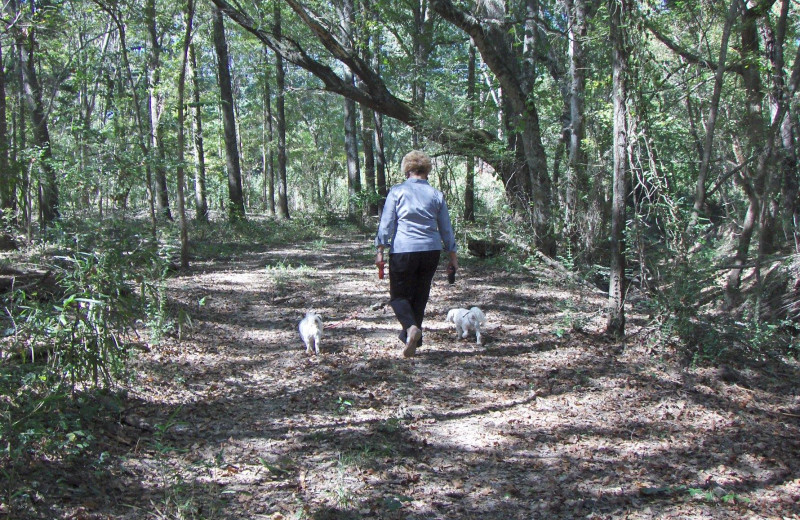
column 311, row 332
column 467, row 320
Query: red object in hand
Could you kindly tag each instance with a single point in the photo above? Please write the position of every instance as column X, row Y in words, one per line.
column 380, row 270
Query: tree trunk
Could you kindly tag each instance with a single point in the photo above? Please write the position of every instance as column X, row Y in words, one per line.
column 421, row 47
column 200, row 195
column 754, row 181
column 575, row 181
column 140, row 124
column 347, row 20
column 280, row 120
column 187, row 38
column 235, row 199
column 378, row 148
column 469, row 184
column 711, row 122
column 49, row 203
column 155, row 103
column 368, row 138
column 268, row 146
column 7, row 177
column 616, row 289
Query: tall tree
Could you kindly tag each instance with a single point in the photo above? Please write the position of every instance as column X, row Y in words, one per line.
column 141, row 134
column 377, row 125
column 707, row 148
column 469, row 182
column 280, row 118
column 187, row 40
column 368, row 138
column 27, row 45
column 7, row 178
column 235, row 199
column 347, row 21
column 268, row 141
column 155, row 104
column 576, row 164
column 753, row 178
column 616, row 291
column 421, row 47
column 200, row 194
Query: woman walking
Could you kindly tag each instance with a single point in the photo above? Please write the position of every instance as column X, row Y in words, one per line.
column 416, row 227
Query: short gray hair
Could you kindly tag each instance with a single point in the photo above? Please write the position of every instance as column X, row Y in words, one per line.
column 417, row 162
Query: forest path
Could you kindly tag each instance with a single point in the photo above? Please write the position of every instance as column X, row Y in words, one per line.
column 233, row 420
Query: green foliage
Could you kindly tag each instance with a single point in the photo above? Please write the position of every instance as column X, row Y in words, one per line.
column 69, row 334
column 79, row 325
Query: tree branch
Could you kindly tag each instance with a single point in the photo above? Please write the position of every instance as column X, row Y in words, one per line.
column 688, row 55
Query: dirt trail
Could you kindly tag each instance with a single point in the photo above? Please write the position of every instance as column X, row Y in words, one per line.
column 235, row 421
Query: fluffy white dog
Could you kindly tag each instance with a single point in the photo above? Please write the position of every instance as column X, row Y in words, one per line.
column 311, row 332
column 467, row 320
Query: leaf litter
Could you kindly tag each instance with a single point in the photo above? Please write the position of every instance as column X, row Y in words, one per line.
column 234, row 420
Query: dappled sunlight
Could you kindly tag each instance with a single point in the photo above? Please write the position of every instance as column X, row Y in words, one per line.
column 546, row 419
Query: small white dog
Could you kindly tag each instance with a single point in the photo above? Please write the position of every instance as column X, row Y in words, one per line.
column 467, row 320
column 311, row 332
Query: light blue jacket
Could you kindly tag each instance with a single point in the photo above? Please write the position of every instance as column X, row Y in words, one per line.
column 415, row 218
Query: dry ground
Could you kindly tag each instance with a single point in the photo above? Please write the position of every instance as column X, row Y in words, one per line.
column 234, row 421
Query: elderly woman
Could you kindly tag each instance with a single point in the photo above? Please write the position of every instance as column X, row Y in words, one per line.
column 416, row 227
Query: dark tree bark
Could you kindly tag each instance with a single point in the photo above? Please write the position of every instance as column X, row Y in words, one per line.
column 187, row 39
column 713, row 111
column 616, row 290
column 280, row 120
column 377, row 123
column 268, row 142
column 200, row 194
column 48, row 189
column 469, row 184
column 576, row 166
column 346, row 22
column 7, row 177
column 235, row 199
column 421, row 47
column 754, row 180
column 368, row 138
column 155, row 103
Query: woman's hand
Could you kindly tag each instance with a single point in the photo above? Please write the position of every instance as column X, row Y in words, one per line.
column 453, row 260
column 379, row 257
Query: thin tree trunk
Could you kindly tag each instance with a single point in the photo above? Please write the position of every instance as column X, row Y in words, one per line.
column 187, row 38
column 155, row 104
column 754, row 180
column 378, row 147
column 469, row 188
column 280, row 120
column 49, row 203
column 20, row 131
column 268, row 148
column 235, row 199
column 420, row 37
column 705, row 162
column 7, row 178
column 347, row 21
column 576, row 165
column 140, row 125
column 200, row 195
column 616, row 290
column 368, row 138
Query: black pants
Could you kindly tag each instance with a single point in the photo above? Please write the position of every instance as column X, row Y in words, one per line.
column 410, row 276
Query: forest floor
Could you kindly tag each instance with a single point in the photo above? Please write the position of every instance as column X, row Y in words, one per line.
column 547, row 420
